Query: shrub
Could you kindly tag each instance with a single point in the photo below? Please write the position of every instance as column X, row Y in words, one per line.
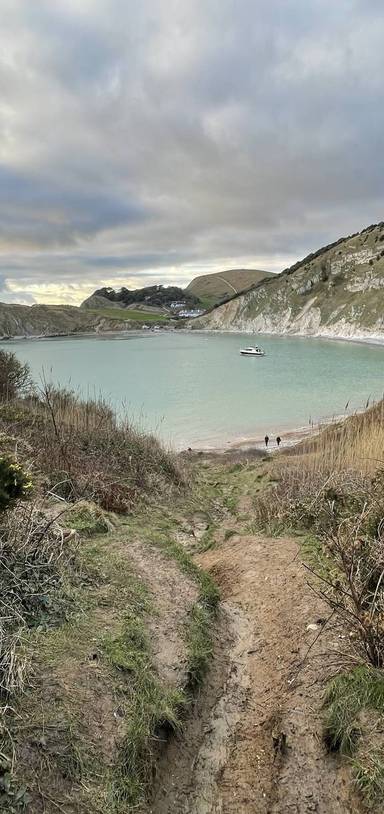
column 87, row 519
column 33, row 559
column 14, row 483
column 83, row 451
column 15, row 377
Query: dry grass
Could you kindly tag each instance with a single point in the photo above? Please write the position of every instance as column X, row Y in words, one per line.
column 81, row 450
column 34, row 557
column 327, row 477
column 332, row 486
column 355, row 444
column 353, row 587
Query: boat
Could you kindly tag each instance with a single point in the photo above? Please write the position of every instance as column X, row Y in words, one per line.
column 253, row 351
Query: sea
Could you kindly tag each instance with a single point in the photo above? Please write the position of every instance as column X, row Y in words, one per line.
column 196, row 390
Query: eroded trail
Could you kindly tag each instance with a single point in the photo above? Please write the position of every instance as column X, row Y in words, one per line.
column 254, row 745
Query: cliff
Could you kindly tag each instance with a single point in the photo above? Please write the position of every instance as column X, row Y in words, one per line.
column 337, row 291
column 54, row 320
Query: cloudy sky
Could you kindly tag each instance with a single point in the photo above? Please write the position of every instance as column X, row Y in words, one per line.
column 153, row 140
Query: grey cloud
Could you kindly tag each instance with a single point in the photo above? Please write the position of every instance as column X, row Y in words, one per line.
column 33, row 208
column 158, row 135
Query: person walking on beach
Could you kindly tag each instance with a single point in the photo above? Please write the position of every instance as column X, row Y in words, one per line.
column 278, row 440
column 266, row 439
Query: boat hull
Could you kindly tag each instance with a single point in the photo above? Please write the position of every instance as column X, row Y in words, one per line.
column 248, row 353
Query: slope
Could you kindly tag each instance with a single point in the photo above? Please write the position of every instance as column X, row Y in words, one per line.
column 54, row 320
column 212, row 288
column 336, row 291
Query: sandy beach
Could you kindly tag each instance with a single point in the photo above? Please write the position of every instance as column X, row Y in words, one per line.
column 289, row 438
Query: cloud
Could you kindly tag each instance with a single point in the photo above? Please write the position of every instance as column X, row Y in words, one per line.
column 143, row 141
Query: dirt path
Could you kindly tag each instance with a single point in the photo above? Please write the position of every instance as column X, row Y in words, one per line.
column 254, row 744
column 173, row 595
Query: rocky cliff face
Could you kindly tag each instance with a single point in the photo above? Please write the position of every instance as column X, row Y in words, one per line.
column 51, row 320
column 337, row 292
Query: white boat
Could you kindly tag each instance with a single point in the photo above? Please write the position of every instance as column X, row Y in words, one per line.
column 254, row 351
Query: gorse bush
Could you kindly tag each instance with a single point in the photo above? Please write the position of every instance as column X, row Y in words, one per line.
column 14, row 483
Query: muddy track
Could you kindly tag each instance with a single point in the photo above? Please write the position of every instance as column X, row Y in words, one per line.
column 253, row 744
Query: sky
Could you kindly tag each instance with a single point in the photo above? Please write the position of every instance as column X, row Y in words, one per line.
column 148, row 142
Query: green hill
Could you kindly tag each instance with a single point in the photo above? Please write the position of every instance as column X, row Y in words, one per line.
column 212, row 288
column 336, row 291
column 154, row 298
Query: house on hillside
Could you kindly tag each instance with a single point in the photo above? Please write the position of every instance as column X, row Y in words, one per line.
column 191, row 312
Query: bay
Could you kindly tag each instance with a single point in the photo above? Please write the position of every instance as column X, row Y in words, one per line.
column 195, row 390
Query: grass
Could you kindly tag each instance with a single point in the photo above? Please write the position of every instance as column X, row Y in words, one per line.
column 85, row 731
column 125, row 315
column 80, row 449
column 329, row 489
column 348, row 694
column 199, row 644
column 368, row 775
column 151, row 709
column 355, row 444
column 160, row 532
column 326, row 477
column 87, row 519
column 103, row 652
column 354, row 710
column 107, row 629
column 211, row 288
column 208, row 592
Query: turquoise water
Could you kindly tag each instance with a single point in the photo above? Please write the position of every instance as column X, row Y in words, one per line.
column 196, row 390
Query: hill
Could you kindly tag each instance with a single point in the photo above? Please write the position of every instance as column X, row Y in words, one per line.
column 212, row 288
column 337, row 291
column 55, row 320
column 206, row 291
column 157, row 297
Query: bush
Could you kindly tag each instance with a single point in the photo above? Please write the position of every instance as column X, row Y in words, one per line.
column 83, row 451
column 87, row 519
column 14, row 483
column 15, row 377
column 33, row 559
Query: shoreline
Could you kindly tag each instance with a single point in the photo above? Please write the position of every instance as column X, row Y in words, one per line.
column 374, row 339
column 255, row 443
column 370, row 339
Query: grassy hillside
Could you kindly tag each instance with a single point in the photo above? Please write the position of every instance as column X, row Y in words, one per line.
column 336, row 291
column 105, row 619
column 54, row 320
column 130, row 315
column 211, row 288
column 154, row 297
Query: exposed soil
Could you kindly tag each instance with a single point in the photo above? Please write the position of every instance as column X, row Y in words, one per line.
column 254, row 743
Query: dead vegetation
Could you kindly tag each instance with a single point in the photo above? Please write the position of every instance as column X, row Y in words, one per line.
column 79, row 449
column 34, row 559
column 330, row 488
column 67, row 464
